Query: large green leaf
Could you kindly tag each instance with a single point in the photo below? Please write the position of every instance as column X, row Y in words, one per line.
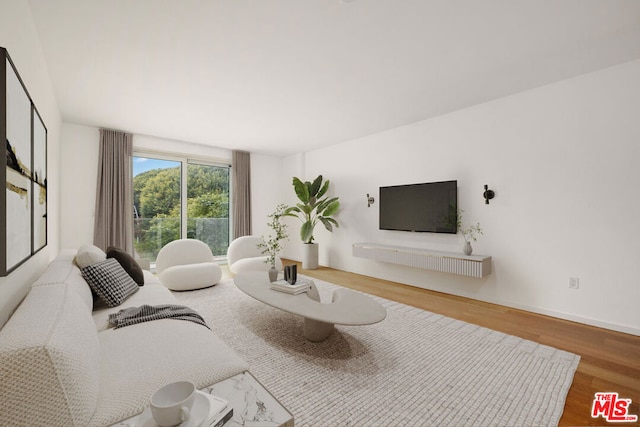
column 332, row 221
column 320, row 206
column 332, row 208
column 315, row 187
column 306, row 232
column 290, row 209
column 302, row 191
column 306, row 209
column 326, row 222
column 323, row 190
column 324, row 204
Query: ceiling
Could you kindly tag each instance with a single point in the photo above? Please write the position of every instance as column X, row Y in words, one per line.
column 286, row 76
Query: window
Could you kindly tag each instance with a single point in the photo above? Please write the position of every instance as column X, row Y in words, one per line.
column 179, row 198
column 208, row 206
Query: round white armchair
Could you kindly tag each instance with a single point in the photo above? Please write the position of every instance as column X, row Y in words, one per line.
column 187, row 264
column 243, row 255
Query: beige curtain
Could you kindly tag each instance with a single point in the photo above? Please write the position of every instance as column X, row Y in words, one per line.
column 241, row 198
column 113, row 224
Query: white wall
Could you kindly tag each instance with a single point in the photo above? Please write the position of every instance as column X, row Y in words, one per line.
column 79, row 151
column 19, row 37
column 266, row 191
column 563, row 161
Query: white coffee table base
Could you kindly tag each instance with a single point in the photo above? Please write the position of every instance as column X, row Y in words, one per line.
column 317, row 331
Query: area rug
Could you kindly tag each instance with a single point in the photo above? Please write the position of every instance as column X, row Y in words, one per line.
column 415, row 368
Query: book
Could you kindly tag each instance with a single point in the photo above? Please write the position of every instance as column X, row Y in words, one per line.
column 291, row 292
column 221, row 419
column 219, row 411
column 282, row 286
column 217, row 407
column 299, row 284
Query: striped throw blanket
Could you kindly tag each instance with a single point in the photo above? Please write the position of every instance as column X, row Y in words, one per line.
column 146, row 313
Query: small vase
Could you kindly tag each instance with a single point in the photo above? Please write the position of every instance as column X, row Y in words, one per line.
column 273, row 274
column 467, row 249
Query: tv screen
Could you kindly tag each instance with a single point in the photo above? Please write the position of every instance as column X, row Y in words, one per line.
column 429, row 207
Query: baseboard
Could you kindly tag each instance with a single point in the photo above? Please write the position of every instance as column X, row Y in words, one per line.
column 551, row 313
column 570, row 317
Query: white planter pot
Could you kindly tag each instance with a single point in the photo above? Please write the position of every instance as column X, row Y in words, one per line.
column 310, row 256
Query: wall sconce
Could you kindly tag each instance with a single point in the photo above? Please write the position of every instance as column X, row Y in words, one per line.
column 370, row 200
column 488, row 194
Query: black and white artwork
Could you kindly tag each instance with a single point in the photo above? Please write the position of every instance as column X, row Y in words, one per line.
column 23, row 171
column 39, row 182
column 18, row 174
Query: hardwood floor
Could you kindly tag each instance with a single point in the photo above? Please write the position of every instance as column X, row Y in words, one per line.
column 610, row 361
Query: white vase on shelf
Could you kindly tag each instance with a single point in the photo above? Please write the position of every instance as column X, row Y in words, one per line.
column 467, row 249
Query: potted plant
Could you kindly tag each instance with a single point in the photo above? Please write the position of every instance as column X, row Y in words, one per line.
column 312, row 209
column 469, row 233
column 271, row 245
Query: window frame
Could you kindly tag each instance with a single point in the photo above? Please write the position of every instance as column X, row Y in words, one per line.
column 185, row 161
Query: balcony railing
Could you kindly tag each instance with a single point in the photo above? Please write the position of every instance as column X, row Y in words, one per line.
column 151, row 234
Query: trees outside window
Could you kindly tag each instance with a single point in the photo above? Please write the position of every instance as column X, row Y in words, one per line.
column 162, row 214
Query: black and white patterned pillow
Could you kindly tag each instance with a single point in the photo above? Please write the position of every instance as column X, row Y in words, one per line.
column 110, row 282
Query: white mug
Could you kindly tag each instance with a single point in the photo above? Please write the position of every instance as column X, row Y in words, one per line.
column 171, row 405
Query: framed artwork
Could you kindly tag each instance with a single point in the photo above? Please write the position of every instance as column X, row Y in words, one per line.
column 39, row 182
column 23, row 171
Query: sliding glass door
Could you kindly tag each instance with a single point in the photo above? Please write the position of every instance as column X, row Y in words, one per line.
column 208, row 206
column 179, row 198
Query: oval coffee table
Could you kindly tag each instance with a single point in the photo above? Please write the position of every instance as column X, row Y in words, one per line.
column 346, row 308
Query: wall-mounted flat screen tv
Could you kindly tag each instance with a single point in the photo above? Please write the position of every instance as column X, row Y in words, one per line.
column 428, row 207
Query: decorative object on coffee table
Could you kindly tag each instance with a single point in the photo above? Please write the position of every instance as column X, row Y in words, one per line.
column 291, row 274
column 313, row 209
column 270, row 245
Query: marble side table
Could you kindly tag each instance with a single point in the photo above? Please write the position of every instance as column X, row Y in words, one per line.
column 253, row 405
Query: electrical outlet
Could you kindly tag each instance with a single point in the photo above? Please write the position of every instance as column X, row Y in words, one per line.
column 574, row 283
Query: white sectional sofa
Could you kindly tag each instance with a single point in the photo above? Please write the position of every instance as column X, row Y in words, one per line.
column 61, row 365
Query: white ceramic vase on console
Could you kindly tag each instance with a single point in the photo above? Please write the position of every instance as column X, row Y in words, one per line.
column 467, row 249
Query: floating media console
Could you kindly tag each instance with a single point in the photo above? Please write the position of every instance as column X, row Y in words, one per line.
column 446, row 262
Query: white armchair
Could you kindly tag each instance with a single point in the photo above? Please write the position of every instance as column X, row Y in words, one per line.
column 243, row 255
column 187, row 264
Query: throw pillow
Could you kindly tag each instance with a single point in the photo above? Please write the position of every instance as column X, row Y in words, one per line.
column 109, row 281
column 89, row 254
column 128, row 263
